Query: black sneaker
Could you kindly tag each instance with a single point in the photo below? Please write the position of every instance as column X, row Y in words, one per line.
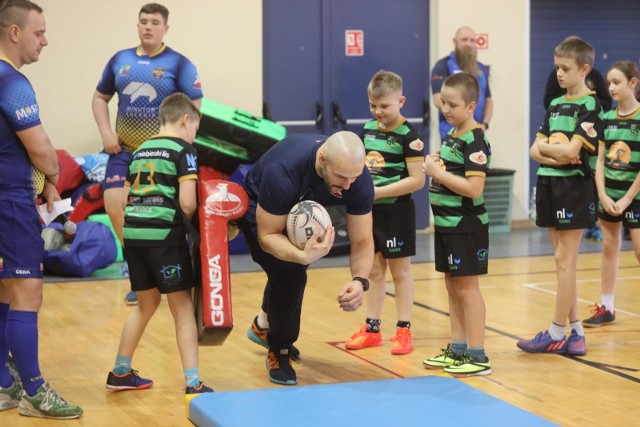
column 280, row 369
column 197, row 390
column 601, row 316
column 259, row 336
column 129, row 381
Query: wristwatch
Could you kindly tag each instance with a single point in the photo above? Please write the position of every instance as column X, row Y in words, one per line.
column 365, row 282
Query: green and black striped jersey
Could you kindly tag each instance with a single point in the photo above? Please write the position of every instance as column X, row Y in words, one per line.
column 463, row 155
column 388, row 153
column 622, row 152
column 153, row 216
column 569, row 118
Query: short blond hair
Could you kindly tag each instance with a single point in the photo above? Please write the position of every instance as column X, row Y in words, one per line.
column 383, row 83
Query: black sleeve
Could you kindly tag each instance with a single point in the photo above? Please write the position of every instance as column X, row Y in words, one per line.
column 552, row 90
column 601, row 89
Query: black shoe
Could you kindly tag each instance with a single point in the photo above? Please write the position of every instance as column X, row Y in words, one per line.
column 259, row 336
column 280, row 369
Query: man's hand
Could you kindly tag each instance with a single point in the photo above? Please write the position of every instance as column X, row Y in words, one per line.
column 316, row 248
column 50, row 194
column 350, row 296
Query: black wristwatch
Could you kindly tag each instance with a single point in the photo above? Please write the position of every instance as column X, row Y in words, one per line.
column 365, row 282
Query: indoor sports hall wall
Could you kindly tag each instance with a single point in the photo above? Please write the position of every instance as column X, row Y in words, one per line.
column 222, row 37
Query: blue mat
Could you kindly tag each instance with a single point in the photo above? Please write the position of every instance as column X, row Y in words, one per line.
column 421, row 401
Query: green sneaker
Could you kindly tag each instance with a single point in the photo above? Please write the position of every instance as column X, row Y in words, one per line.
column 47, row 403
column 447, row 358
column 10, row 397
column 467, row 367
column 14, row 371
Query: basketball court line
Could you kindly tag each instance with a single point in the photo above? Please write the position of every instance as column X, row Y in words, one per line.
column 538, row 286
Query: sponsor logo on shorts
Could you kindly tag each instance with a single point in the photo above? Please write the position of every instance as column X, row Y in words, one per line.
column 1, row 263
column 394, row 245
column 632, row 216
column 483, row 256
column 563, row 216
column 23, row 272
column 171, row 272
column 453, row 262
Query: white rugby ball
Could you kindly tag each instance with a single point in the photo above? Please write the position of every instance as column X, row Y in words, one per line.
column 303, row 218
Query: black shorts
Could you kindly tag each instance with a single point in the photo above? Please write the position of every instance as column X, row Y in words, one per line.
column 462, row 254
column 167, row 268
column 565, row 203
column 394, row 229
column 630, row 217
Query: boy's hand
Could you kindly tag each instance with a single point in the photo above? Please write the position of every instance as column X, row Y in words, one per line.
column 432, row 165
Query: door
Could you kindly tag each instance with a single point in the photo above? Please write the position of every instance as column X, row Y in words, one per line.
column 314, row 84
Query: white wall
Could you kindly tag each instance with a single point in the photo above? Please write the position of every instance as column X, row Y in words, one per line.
column 222, row 37
column 507, row 24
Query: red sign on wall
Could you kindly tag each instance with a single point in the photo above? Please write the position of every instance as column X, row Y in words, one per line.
column 482, row 40
column 354, row 42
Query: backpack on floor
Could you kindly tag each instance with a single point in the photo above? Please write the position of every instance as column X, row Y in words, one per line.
column 93, row 247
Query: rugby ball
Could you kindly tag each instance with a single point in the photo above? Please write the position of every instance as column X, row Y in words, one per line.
column 303, row 218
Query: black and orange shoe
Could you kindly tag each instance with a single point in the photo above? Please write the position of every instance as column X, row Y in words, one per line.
column 280, row 370
column 259, row 336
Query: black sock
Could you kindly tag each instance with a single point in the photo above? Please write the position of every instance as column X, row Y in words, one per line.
column 373, row 325
column 402, row 324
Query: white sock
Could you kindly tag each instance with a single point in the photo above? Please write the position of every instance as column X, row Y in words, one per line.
column 262, row 320
column 557, row 332
column 607, row 301
column 578, row 327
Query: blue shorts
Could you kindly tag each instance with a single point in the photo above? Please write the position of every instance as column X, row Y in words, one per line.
column 117, row 169
column 21, row 247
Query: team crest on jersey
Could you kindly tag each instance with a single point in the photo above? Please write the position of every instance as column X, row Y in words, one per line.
column 392, row 140
column 124, row 70
column 416, row 145
column 478, row 158
column 588, row 128
column 158, row 73
column 633, row 129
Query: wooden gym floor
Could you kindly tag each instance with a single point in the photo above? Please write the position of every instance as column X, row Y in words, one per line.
column 80, row 326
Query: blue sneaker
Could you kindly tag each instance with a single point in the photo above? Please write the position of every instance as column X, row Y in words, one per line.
column 197, row 390
column 131, row 298
column 543, row 343
column 128, row 381
column 576, row 344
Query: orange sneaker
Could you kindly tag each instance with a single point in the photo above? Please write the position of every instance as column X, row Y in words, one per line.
column 402, row 343
column 364, row 339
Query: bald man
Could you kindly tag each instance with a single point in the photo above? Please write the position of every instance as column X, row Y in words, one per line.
column 330, row 171
column 463, row 58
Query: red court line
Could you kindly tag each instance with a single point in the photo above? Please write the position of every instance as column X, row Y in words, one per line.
column 335, row 344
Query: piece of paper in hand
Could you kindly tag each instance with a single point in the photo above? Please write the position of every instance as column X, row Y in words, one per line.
column 59, row 207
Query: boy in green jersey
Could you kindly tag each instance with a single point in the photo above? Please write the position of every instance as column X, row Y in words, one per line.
column 564, row 147
column 461, row 240
column 161, row 196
